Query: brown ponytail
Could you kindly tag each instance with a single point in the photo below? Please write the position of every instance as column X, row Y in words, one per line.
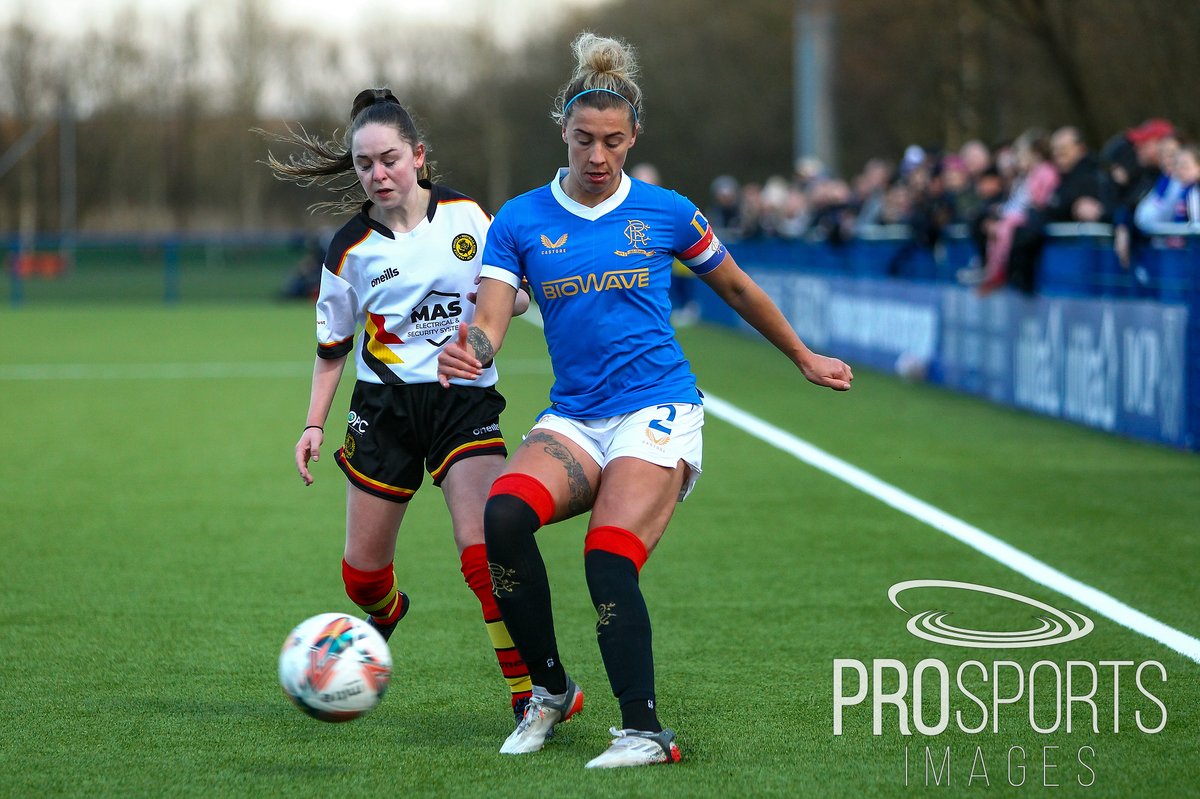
column 330, row 164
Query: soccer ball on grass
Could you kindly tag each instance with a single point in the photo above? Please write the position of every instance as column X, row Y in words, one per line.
column 335, row 667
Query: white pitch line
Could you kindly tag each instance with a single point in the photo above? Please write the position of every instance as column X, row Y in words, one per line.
column 956, row 528
column 985, row 543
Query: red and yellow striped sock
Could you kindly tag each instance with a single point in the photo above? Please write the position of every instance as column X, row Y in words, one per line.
column 375, row 592
column 479, row 579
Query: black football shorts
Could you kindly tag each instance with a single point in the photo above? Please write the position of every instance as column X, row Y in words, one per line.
column 396, row 433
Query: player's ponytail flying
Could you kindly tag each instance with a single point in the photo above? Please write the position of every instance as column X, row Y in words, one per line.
column 330, row 163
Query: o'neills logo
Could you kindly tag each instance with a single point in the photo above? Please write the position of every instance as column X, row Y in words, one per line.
column 997, row 697
column 388, row 274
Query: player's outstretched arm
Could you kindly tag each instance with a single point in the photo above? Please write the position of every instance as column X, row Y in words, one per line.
column 746, row 297
column 326, row 376
column 477, row 344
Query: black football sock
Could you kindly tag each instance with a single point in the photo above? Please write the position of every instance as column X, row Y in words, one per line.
column 522, row 589
column 623, row 632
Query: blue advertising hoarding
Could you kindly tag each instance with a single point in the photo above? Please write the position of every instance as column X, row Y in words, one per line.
column 1118, row 365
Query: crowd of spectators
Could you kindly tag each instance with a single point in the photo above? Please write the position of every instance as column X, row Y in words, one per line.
column 1002, row 196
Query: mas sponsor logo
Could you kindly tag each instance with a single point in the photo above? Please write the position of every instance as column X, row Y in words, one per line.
column 1008, row 702
column 435, row 317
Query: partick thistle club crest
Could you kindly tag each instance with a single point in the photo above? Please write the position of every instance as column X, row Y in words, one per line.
column 464, row 246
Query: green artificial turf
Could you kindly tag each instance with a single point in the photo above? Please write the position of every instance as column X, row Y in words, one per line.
column 157, row 546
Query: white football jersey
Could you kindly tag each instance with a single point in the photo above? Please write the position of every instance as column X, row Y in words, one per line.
column 406, row 292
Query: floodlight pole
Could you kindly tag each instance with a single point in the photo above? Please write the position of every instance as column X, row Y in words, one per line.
column 814, row 27
column 68, row 198
column 23, row 242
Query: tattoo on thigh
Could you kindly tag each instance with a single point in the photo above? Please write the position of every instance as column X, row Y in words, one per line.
column 482, row 345
column 581, row 490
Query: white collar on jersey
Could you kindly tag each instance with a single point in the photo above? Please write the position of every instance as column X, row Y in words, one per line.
column 583, row 211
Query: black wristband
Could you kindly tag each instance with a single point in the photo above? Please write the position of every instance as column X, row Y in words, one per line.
column 311, row 426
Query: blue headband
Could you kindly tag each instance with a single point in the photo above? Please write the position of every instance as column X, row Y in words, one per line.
column 607, row 91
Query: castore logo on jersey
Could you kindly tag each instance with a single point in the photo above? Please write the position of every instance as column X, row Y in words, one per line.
column 553, row 247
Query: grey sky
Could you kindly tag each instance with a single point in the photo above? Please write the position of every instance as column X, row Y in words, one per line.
column 510, row 17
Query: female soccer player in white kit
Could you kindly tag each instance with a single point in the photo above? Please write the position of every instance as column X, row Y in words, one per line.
column 622, row 435
column 403, row 271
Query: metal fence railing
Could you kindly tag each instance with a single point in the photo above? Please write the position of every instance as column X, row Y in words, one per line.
column 1077, row 260
column 153, row 269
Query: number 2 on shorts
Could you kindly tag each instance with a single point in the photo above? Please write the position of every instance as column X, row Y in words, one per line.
column 661, row 424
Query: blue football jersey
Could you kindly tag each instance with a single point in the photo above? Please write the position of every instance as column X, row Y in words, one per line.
column 601, row 277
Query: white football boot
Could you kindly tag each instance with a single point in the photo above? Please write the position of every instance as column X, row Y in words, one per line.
column 543, row 712
column 637, row 748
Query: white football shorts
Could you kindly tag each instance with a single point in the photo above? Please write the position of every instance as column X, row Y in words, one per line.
column 660, row 434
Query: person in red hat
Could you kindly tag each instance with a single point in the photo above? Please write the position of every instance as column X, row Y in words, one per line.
column 1134, row 161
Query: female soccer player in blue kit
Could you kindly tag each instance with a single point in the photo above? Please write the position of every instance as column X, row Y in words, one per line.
column 403, row 270
column 622, row 435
